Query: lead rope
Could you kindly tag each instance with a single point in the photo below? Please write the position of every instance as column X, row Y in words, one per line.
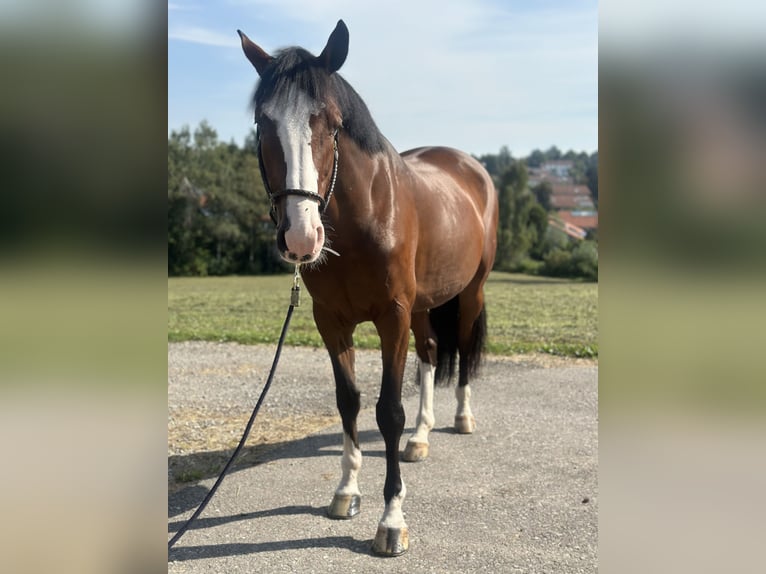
column 295, row 295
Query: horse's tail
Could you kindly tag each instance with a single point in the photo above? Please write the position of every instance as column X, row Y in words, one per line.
column 445, row 321
column 478, row 340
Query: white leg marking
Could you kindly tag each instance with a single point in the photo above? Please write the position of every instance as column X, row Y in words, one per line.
column 350, row 463
column 393, row 517
column 425, row 420
column 463, row 395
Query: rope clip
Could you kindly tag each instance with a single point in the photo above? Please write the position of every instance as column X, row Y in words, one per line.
column 295, row 292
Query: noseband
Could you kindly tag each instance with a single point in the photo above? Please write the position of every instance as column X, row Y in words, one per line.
column 275, row 196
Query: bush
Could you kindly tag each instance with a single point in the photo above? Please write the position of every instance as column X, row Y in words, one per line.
column 530, row 266
column 557, row 263
column 580, row 261
column 585, row 260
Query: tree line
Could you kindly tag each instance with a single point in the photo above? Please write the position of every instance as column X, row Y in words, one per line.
column 218, row 212
column 219, row 224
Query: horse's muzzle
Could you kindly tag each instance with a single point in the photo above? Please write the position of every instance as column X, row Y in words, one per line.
column 300, row 244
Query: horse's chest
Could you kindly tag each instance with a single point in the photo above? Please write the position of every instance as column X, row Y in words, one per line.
column 357, row 294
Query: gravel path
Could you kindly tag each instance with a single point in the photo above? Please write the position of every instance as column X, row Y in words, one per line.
column 519, row 495
column 213, row 387
column 231, row 376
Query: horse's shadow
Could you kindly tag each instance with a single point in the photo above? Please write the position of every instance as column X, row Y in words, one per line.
column 218, row 520
column 240, row 548
column 189, row 497
column 204, row 465
column 183, row 553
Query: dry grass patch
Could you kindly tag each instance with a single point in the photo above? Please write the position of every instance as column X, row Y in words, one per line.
column 201, row 440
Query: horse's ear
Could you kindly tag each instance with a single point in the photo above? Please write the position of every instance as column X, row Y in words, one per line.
column 336, row 50
column 258, row 58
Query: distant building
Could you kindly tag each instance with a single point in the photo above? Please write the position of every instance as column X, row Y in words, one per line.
column 551, row 171
column 585, row 219
column 576, row 224
column 571, row 196
column 557, row 168
column 572, row 209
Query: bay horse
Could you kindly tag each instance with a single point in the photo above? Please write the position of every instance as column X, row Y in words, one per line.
column 403, row 240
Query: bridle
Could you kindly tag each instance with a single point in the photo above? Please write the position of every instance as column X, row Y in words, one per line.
column 275, row 196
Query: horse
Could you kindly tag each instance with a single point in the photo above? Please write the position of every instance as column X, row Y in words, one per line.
column 405, row 241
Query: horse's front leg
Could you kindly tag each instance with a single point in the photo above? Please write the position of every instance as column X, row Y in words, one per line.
column 392, row 538
column 338, row 339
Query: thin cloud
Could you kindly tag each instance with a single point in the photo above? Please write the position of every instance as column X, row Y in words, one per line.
column 177, row 7
column 197, row 35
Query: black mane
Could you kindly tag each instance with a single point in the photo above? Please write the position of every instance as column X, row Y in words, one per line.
column 296, row 66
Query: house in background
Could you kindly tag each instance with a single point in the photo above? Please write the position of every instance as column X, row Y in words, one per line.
column 550, row 171
column 573, row 210
column 575, row 223
column 572, row 196
column 558, row 168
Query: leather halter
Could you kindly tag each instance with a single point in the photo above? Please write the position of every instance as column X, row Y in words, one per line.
column 275, row 196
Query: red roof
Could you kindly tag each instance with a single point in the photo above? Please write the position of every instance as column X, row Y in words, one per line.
column 584, row 219
column 571, row 202
column 570, row 189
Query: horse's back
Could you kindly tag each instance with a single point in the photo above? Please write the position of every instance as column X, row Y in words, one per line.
column 446, row 170
column 457, row 209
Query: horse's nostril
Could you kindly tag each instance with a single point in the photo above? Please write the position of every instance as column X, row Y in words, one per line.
column 305, row 257
column 292, row 256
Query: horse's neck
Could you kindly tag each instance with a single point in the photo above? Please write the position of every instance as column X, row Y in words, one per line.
column 359, row 171
column 363, row 200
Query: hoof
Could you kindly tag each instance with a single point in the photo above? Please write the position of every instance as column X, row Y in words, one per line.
column 415, row 452
column 344, row 506
column 465, row 425
column 391, row 541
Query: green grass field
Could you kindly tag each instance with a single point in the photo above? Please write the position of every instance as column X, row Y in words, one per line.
column 525, row 314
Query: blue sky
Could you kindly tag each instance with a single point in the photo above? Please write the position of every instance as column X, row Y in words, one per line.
column 475, row 75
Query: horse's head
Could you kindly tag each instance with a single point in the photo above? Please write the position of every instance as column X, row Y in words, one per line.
column 298, row 122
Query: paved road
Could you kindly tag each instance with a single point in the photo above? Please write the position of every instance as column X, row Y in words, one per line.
column 519, row 495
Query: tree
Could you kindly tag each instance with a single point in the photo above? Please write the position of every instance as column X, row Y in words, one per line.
column 536, row 158
column 552, row 153
column 542, row 192
column 184, row 224
column 591, row 176
column 516, row 233
column 538, row 223
column 251, row 142
column 497, row 164
column 218, row 219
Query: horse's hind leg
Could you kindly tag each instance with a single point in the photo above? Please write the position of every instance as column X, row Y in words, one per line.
column 425, row 346
column 339, row 342
column 471, row 336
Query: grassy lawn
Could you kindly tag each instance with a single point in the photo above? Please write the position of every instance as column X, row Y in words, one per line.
column 525, row 314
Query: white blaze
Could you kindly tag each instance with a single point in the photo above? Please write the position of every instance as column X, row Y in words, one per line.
column 292, row 115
